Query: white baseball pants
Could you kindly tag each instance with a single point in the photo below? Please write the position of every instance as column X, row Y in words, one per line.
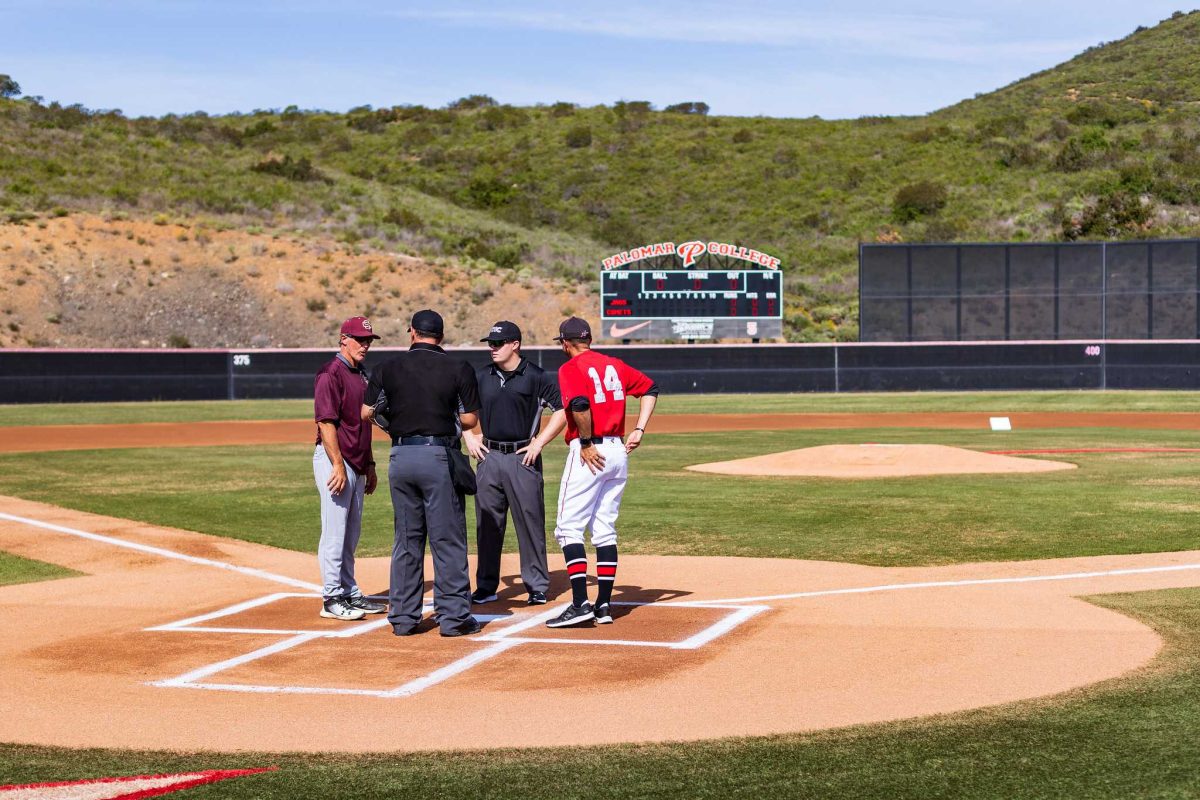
column 589, row 501
column 341, row 526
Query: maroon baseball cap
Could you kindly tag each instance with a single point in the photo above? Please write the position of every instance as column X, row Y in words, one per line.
column 573, row 328
column 358, row 327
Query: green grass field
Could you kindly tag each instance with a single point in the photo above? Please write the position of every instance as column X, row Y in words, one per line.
column 1129, row 737
column 866, row 402
column 14, row 569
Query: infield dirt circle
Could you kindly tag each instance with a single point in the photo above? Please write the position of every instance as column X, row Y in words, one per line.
column 179, row 640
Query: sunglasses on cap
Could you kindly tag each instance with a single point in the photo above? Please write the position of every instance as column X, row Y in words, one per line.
column 498, row 343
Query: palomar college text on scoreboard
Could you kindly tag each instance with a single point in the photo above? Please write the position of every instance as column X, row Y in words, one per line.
column 688, row 252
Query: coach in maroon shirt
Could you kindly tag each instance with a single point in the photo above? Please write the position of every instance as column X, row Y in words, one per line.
column 344, row 470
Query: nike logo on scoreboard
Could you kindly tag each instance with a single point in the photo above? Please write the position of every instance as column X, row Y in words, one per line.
column 617, row 332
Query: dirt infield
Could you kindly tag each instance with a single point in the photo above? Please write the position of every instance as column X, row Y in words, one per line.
column 858, row 461
column 186, row 434
column 185, row 641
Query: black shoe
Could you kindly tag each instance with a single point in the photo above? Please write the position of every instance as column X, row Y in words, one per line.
column 479, row 596
column 574, row 615
column 366, row 606
column 398, row 630
column 463, row 628
column 536, row 599
column 603, row 614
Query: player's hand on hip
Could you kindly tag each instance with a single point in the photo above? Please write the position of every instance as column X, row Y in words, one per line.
column 633, row 440
column 372, row 480
column 592, row 458
column 530, row 452
column 475, row 446
column 337, row 481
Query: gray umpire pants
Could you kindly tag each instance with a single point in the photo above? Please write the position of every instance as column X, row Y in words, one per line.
column 504, row 482
column 427, row 506
column 341, row 527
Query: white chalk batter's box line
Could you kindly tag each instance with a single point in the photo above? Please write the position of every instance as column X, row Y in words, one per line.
column 498, row 642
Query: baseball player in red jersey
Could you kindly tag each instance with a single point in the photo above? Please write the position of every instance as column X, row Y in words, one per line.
column 594, row 387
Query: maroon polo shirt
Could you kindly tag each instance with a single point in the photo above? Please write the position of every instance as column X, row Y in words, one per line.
column 338, row 396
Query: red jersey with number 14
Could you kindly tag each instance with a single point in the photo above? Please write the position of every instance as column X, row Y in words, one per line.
column 605, row 382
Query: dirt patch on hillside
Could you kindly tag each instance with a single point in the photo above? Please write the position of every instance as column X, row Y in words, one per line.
column 878, row 461
column 84, row 281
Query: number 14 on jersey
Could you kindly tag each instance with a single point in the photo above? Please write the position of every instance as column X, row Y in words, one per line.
column 611, row 382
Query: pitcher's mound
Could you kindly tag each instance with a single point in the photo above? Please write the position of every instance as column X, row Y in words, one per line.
column 877, row 461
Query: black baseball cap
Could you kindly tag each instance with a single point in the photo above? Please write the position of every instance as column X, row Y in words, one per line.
column 573, row 328
column 429, row 321
column 503, row 331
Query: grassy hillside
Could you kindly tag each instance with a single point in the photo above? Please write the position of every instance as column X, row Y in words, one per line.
column 1106, row 145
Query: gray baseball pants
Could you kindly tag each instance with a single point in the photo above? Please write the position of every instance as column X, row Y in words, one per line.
column 505, row 482
column 341, row 527
column 427, row 506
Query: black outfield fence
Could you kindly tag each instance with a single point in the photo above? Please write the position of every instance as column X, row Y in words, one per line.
column 1022, row 292
column 40, row 376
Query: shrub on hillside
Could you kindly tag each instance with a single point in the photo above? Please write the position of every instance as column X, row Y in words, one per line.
column 489, row 192
column 300, row 169
column 579, row 136
column 1107, row 114
column 742, row 136
column 8, row 87
column 562, row 109
column 918, row 199
column 471, row 102
column 1111, row 216
column 1017, row 154
column 404, row 218
column 693, row 107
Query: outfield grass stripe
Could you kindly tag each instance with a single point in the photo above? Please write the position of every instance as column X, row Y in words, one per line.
column 158, row 551
column 895, row 587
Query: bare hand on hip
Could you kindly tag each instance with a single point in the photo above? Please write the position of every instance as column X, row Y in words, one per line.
column 337, row 481
column 592, row 458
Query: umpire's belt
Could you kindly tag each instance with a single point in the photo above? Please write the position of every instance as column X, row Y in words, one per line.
column 428, row 441
column 505, row 447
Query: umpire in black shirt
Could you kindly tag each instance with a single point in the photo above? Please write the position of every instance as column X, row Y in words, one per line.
column 428, row 395
column 508, row 446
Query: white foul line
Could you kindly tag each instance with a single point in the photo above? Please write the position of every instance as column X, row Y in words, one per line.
column 894, row 587
column 158, row 551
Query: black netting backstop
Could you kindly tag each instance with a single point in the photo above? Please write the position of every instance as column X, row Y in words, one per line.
column 1023, row 292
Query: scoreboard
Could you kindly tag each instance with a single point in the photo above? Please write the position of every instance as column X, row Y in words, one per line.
column 691, row 303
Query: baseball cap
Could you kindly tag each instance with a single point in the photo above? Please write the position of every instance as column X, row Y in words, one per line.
column 429, row 321
column 573, row 328
column 503, row 331
column 358, row 326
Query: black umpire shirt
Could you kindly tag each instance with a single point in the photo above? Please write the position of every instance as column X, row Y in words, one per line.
column 512, row 402
column 424, row 389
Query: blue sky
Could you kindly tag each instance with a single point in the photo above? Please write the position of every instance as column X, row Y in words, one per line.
column 767, row 57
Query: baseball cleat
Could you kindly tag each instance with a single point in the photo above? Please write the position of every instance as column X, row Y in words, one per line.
column 603, row 614
column 366, row 606
column 338, row 608
column 573, row 615
column 463, row 628
column 536, row 599
column 480, row 597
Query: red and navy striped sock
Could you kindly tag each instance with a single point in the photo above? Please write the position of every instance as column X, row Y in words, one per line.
column 606, row 572
column 577, row 571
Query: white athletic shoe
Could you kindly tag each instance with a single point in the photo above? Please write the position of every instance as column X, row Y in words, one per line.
column 338, row 608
